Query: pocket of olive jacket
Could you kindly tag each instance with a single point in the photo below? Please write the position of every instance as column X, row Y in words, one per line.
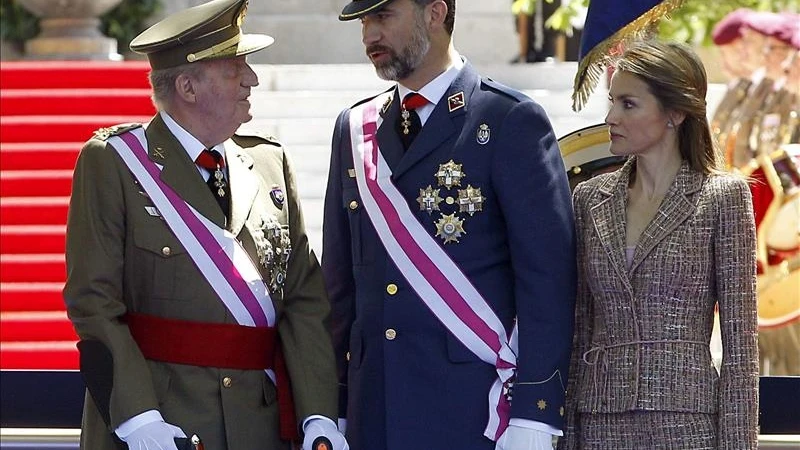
column 162, row 264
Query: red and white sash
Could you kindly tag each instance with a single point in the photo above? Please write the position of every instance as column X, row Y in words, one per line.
column 215, row 251
column 429, row 270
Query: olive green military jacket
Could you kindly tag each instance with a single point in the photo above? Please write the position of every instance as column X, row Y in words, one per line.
column 120, row 258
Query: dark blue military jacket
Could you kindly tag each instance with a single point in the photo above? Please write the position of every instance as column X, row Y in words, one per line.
column 407, row 383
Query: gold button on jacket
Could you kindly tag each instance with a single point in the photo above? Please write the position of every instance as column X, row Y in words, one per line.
column 391, row 334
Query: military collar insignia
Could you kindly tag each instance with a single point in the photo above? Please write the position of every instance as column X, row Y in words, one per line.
column 455, row 101
column 387, row 104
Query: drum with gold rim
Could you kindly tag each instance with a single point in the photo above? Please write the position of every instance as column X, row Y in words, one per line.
column 585, row 153
column 775, row 185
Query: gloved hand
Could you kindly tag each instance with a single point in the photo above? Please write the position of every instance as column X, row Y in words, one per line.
column 318, row 430
column 157, row 435
column 521, row 438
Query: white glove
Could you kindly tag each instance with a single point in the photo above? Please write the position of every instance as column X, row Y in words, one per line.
column 157, row 435
column 323, row 428
column 521, row 438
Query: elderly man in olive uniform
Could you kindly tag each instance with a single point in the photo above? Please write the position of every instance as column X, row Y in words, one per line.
column 191, row 282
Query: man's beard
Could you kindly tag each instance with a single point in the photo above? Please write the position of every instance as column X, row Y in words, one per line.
column 399, row 67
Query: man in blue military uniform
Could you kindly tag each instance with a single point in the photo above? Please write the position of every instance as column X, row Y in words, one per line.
column 448, row 249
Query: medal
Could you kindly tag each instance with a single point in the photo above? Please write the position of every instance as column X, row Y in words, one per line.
column 406, row 122
column 450, row 228
column 470, row 200
column 449, row 174
column 429, row 199
column 219, row 182
column 483, row 134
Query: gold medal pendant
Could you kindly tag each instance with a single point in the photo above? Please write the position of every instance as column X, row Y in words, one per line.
column 406, row 122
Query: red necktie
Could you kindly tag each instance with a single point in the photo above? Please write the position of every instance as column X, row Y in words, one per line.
column 212, row 161
column 410, row 123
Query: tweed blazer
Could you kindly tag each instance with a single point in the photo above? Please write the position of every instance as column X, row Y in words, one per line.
column 116, row 264
column 642, row 333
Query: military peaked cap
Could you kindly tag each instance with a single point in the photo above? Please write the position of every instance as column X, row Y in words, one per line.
column 359, row 8
column 208, row 31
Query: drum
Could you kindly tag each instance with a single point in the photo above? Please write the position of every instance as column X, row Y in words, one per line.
column 775, row 187
column 585, row 153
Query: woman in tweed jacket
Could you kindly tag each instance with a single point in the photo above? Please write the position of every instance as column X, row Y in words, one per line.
column 662, row 242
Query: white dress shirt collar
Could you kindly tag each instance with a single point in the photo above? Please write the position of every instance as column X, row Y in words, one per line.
column 435, row 89
column 190, row 143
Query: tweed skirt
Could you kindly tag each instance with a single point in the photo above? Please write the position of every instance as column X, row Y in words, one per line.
column 650, row 430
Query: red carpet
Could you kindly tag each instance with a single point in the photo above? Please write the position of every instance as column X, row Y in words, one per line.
column 47, row 111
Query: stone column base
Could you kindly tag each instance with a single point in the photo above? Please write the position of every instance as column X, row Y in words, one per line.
column 71, row 39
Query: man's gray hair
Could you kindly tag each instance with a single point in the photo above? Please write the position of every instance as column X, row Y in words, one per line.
column 163, row 82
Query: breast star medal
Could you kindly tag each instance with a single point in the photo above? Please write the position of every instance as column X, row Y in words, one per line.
column 470, row 200
column 429, row 199
column 450, row 228
column 449, row 174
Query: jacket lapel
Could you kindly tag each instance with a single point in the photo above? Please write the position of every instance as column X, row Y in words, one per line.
column 179, row 172
column 606, row 217
column 443, row 122
column 673, row 211
column 244, row 185
column 388, row 141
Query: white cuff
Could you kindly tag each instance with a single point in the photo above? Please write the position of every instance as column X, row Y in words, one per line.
column 129, row 426
column 535, row 425
column 314, row 417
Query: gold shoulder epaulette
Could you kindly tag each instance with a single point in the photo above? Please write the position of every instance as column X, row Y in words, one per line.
column 106, row 132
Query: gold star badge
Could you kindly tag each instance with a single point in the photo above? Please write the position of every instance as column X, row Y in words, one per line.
column 541, row 404
column 450, row 228
column 429, row 199
column 470, row 200
column 449, row 174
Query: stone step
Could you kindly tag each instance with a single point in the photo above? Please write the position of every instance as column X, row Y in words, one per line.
column 362, row 77
column 318, row 131
column 281, row 104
